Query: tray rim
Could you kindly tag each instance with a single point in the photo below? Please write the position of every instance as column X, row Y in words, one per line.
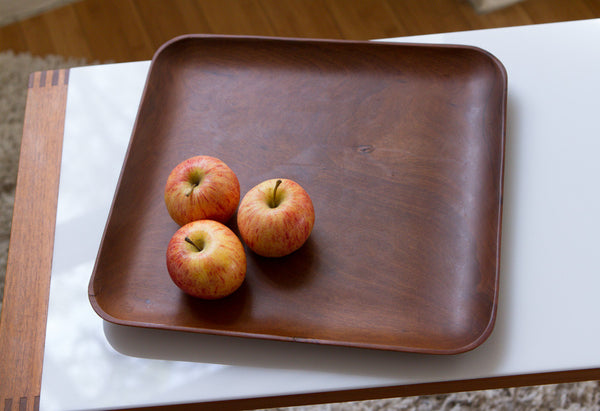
column 476, row 342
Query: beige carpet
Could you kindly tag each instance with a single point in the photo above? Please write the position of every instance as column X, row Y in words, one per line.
column 14, row 73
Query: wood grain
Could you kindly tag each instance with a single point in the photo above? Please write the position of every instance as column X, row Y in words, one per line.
column 37, row 35
column 63, row 25
column 243, row 17
column 112, row 30
column 162, row 19
column 388, row 148
column 23, row 321
column 130, row 30
column 301, row 18
column 354, row 18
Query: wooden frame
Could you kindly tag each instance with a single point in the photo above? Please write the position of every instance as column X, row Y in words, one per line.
column 24, row 312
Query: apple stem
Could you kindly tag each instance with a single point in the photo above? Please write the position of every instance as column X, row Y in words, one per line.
column 191, row 189
column 187, row 239
column 274, row 200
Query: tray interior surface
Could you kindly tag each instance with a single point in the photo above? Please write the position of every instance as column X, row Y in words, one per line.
column 401, row 150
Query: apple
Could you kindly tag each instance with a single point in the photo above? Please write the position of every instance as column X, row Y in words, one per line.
column 276, row 217
column 202, row 187
column 205, row 259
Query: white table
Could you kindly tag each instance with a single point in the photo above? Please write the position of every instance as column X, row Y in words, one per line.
column 547, row 320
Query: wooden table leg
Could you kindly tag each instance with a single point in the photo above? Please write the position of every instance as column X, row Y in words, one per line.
column 29, row 265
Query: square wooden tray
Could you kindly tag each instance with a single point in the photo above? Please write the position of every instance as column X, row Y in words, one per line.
column 400, row 147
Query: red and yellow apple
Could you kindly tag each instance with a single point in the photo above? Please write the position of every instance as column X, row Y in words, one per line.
column 205, row 259
column 202, row 187
column 276, row 217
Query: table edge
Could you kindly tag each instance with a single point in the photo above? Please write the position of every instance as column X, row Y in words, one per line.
column 24, row 310
column 373, row 393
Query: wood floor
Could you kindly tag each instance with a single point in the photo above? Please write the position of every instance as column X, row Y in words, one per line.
column 130, row 30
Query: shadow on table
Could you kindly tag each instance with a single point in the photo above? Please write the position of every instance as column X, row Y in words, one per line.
column 250, row 352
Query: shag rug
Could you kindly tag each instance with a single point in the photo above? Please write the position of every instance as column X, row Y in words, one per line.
column 14, row 74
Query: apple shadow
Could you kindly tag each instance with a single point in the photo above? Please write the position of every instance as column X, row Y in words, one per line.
column 293, row 271
column 390, row 366
column 215, row 313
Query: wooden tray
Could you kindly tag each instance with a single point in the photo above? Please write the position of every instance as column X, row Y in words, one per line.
column 400, row 147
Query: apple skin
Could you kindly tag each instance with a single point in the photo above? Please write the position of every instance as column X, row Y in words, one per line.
column 276, row 231
column 214, row 267
column 202, row 187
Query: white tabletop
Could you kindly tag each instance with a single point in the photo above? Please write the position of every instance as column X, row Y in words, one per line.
column 550, row 271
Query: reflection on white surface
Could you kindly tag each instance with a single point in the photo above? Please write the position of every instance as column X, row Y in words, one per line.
column 549, row 270
column 84, row 368
column 374, row 366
